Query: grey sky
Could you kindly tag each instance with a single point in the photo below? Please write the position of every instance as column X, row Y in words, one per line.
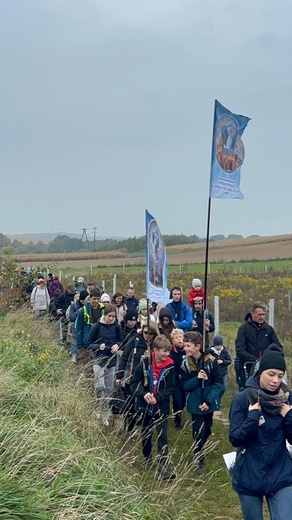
column 107, row 109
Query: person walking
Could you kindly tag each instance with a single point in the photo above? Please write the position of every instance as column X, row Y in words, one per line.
column 260, row 424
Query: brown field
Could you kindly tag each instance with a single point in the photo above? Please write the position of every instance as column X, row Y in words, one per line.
column 260, row 248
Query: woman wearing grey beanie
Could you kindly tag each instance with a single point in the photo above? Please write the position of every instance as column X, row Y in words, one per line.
column 260, row 426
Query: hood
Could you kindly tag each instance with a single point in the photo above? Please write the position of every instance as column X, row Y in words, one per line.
column 252, row 382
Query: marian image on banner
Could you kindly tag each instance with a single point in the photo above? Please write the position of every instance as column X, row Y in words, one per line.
column 227, row 153
column 156, row 263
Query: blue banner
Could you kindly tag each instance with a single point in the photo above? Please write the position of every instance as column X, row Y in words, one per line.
column 227, row 153
column 156, row 263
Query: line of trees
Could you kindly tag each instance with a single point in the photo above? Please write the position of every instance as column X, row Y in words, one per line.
column 65, row 244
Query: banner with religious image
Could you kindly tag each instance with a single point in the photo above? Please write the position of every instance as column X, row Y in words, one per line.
column 156, row 263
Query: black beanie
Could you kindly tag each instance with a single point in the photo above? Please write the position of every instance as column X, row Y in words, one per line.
column 165, row 312
column 273, row 357
column 131, row 314
column 83, row 295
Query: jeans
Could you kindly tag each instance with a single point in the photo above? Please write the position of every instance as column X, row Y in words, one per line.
column 279, row 504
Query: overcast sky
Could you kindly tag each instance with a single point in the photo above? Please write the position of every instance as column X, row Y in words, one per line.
column 107, row 109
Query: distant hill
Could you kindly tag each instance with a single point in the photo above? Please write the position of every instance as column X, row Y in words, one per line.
column 48, row 237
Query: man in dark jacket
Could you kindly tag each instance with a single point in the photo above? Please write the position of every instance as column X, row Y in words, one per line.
column 59, row 308
column 198, row 321
column 253, row 338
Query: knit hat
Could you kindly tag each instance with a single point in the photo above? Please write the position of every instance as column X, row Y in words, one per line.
column 131, row 314
column 142, row 305
column 80, row 279
column 165, row 312
column 83, row 295
column 56, row 277
column 273, row 357
column 196, row 283
column 105, row 298
column 218, row 341
column 71, row 287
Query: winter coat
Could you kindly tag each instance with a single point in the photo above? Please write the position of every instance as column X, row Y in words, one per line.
column 83, row 323
column 195, row 294
column 110, row 334
column 132, row 303
column 39, row 298
column 181, row 315
column 54, row 284
column 131, row 356
column 199, row 319
column 177, row 355
column 252, row 341
column 128, row 334
column 142, row 383
column 225, row 357
column 62, row 302
column 263, row 464
column 192, row 386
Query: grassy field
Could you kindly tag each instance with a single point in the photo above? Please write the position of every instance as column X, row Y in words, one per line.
column 58, row 462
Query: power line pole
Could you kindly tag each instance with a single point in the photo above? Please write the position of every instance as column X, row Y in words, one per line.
column 84, row 234
column 94, row 237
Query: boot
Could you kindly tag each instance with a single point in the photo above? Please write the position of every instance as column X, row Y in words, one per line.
column 165, row 472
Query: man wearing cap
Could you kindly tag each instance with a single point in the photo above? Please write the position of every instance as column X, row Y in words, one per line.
column 40, row 299
column 253, row 338
column 80, row 286
column 89, row 314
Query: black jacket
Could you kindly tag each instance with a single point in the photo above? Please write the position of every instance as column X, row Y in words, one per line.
column 132, row 354
column 252, row 341
column 225, row 357
column 141, row 384
column 62, row 302
column 198, row 318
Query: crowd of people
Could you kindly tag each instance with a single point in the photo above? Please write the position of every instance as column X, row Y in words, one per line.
column 161, row 359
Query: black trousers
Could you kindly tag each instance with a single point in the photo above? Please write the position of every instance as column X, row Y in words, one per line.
column 201, row 426
column 159, row 422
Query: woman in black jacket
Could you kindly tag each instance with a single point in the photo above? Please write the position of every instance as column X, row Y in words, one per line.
column 260, row 425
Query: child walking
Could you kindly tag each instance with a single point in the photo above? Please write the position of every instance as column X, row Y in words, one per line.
column 223, row 359
column 152, row 384
column 201, row 402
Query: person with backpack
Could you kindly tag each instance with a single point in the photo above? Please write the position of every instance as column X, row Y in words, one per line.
column 202, row 383
column 104, row 340
column 198, row 320
column 260, row 425
column 132, row 354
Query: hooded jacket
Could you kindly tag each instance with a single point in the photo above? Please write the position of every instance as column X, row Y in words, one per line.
column 83, row 323
column 142, row 383
column 263, row 464
column 193, row 386
column 110, row 334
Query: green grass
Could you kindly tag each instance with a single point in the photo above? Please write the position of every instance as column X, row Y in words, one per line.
column 58, row 462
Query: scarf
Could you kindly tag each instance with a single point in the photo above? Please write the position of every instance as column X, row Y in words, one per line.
column 270, row 402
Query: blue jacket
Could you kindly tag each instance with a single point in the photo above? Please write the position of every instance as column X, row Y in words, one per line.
column 181, row 315
column 263, row 464
column 83, row 323
column 192, row 386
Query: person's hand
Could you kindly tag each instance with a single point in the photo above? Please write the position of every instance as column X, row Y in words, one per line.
column 202, row 375
column 219, row 361
column 59, row 311
column 207, row 324
column 102, row 346
column 285, row 408
column 119, row 382
column 204, row 407
column 114, row 349
column 195, row 324
column 149, row 398
column 255, row 406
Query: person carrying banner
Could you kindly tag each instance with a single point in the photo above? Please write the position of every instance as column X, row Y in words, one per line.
column 194, row 372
